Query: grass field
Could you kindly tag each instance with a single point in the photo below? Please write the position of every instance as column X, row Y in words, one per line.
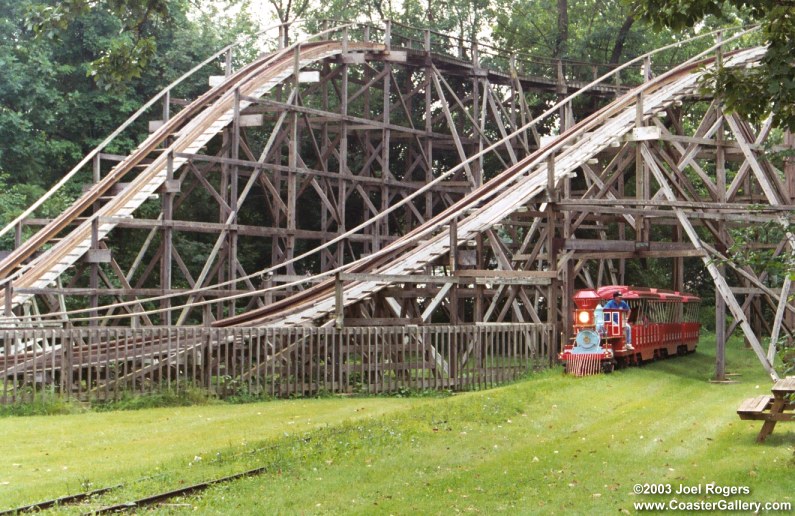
column 550, row 444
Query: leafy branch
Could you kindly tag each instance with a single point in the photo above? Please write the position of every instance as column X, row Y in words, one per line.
column 129, row 52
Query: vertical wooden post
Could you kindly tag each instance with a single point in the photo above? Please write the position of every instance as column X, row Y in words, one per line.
column 339, row 306
column 551, row 189
column 641, row 179
column 342, row 183
column 479, row 289
column 233, row 200
column 167, row 235
column 514, row 103
column 453, row 244
column 325, row 215
column 94, row 278
column 382, row 228
column 94, row 266
column 18, row 235
column 96, row 170
column 166, row 106
column 268, row 283
column 552, row 291
column 720, row 334
column 568, row 296
column 453, row 268
column 428, row 138
column 478, row 111
column 561, row 89
column 8, row 298
column 292, row 164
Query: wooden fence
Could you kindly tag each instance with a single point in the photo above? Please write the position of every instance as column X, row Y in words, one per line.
column 95, row 364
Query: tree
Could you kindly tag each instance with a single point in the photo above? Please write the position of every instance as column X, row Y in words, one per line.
column 128, row 51
column 591, row 30
column 752, row 92
column 52, row 112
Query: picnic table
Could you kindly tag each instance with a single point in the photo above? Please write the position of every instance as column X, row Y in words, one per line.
column 770, row 409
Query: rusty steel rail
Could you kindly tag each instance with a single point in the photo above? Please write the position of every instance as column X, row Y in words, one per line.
column 183, row 491
column 59, row 502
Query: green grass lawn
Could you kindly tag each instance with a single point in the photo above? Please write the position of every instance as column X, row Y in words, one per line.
column 46, row 457
column 551, row 444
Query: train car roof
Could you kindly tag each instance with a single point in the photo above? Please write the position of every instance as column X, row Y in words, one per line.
column 630, row 292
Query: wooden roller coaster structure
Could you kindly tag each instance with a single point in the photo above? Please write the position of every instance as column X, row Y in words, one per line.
column 390, row 176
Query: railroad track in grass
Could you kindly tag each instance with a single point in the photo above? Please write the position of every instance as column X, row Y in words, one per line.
column 133, row 504
column 59, row 502
column 183, row 491
column 163, row 496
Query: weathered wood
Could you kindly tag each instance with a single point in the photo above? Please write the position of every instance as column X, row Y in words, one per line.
column 102, row 363
column 754, row 406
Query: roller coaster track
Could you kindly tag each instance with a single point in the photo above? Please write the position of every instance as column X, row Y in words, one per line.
column 495, row 200
column 188, row 131
column 534, row 180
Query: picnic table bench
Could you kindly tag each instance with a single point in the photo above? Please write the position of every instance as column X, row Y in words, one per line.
column 770, row 409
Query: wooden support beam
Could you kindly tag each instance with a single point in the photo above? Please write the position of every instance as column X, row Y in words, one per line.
column 720, row 282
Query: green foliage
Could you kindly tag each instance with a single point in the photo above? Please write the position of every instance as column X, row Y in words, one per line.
column 185, row 396
column 465, row 18
column 677, row 14
column 15, row 198
column 45, row 404
column 787, row 353
column 748, row 250
column 594, row 30
column 124, row 60
column 753, row 92
column 52, row 111
column 128, row 52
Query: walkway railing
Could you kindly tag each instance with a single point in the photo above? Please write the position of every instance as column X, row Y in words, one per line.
column 95, row 364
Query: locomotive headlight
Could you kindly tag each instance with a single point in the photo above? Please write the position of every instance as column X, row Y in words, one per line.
column 584, row 317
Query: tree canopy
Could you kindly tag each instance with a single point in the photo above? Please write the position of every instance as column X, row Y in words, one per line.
column 753, row 92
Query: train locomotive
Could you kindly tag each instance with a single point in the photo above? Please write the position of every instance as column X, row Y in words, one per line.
column 661, row 323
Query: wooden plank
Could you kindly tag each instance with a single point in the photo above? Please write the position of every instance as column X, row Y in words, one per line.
column 755, row 405
column 639, row 134
column 479, row 273
column 397, row 278
column 785, row 386
column 251, row 120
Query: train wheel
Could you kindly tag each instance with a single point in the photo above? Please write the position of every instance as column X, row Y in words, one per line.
column 608, row 366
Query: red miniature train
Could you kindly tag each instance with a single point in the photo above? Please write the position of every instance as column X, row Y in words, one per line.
column 662, row 323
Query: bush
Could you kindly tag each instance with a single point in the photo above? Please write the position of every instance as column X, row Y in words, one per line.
column 185, row 396
column 45, row 404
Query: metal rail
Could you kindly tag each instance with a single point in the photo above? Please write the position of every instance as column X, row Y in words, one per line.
column 59, row 502
column 161, row 497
